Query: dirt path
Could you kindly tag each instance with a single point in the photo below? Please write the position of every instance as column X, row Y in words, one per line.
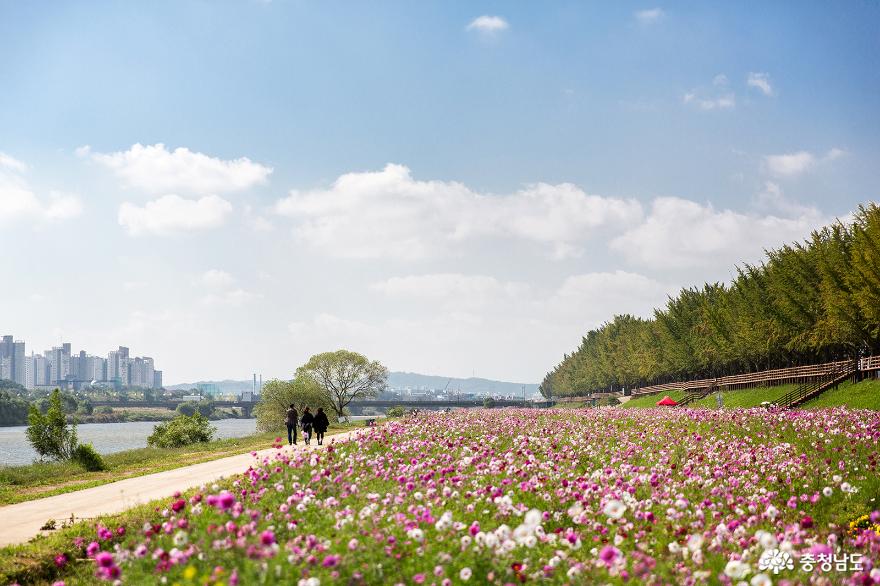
column 22, row 521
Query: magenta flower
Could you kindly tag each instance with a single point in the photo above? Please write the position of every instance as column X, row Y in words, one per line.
column 608, row 554
column 267, row 537
column 331, row 561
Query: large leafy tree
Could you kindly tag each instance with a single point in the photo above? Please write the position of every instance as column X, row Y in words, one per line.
column 277, row 395
column 345, row 376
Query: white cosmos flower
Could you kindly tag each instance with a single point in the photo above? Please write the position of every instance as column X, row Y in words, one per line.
column 614, row 509
column 761, row 580
column 736, row 569
column 766, row 539
column 533, row 517
column 465, row 574
column 827, row 491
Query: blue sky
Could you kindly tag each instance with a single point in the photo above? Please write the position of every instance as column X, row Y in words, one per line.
column 545, row 164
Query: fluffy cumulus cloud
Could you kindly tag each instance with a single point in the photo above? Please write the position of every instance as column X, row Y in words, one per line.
column 488, row 24
column 649, row 15
column 19, row 201
column 173, row 214
column 466, row 314
column 799, row 162
column 682, row 234
column 761, row 82
column 155, row 169
column 388, row 213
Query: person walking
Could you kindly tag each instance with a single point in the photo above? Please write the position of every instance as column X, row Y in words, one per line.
column 321, row 425
column 292, row 421
column 307, row 421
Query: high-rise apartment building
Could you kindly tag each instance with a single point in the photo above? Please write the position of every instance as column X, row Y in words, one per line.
column 60, row 367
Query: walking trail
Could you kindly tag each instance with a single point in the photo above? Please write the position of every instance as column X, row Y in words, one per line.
column 22, row 521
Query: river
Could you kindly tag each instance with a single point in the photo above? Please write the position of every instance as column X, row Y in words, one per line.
column 107, row 437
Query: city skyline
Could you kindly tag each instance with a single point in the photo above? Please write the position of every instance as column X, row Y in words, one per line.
column 61, row 367
column 447, row 188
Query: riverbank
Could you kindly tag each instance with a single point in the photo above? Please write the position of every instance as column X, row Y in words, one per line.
column 38, row 480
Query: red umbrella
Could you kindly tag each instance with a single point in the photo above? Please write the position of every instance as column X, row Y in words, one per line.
column 667, row 401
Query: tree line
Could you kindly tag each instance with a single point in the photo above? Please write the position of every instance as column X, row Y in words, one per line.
column 805, row 303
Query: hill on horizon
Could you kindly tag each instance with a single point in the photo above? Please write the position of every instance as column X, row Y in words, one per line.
column 400, row 380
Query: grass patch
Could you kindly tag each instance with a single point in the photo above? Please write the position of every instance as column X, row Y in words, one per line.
column 38, row 480
column 651, row 400
column 745, row 397
column 861, row 395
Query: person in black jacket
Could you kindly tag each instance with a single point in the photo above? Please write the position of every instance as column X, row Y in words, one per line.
column 292, row 420
column 321, row 425
column 307, row 421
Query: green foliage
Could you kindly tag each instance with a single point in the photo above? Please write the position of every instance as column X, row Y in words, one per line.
column 86, row 456
column 13, row 409
column 49, row 433
column 107, row 409
column 85, row 407
column 187, row 408
column 345, row 376
column 183, row 430
column 809, row 302
column 277, row 395
column 488, row 402
column 396, row 411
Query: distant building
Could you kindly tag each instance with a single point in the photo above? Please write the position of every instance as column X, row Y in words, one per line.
column 208, row 389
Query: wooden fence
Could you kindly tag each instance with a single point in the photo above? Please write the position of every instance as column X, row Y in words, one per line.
column 870, row 363
column 794, row 374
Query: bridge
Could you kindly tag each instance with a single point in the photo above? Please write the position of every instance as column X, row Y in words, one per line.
column 355, row 406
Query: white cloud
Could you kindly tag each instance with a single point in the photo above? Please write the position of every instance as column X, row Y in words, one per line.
column 720, row 80
column 18, row 201
column 63, row 206
column 217, row 279
column 649, row 16
column 454, row 335
column 232, row 297
column 834, row 154
column 760, row 81
column 595, row 297
column 720, row 102
column 682, row 234
column 789, row 165
column 172, row 213
column 12, row 163
column 488, row 24
column 716, row 97
column 797, row 163
column 389, row 214
column 155, row 169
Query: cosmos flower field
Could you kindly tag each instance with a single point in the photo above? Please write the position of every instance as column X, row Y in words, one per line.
column 604, row 496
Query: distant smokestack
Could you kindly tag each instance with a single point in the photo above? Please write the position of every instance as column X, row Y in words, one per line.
column 255, row 383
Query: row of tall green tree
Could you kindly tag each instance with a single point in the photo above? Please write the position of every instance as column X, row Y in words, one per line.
column 809, row 302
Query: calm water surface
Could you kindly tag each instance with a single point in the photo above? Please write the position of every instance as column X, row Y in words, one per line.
column 107, row 437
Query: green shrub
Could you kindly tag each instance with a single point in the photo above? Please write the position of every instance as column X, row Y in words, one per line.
column 86, row 456
column 49, row 434
column 183, row 430
column 397, row 411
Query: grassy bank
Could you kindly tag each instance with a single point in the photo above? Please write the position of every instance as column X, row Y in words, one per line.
column 33, row 481
column 862, row 395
